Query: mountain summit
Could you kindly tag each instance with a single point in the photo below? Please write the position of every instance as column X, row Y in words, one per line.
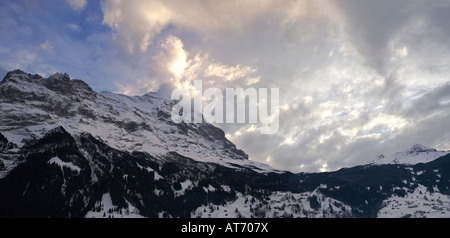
column 416, row 154
column 418, row 148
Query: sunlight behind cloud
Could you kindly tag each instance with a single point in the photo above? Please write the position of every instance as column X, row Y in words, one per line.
column 176, row 56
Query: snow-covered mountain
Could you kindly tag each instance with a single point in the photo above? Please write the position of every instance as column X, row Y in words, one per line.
column 417, row 154
column 68, row 151
column 32, row 105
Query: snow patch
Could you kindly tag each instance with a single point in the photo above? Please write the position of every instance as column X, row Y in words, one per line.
column 106, row 209
column 62, row 164
column 186, row 185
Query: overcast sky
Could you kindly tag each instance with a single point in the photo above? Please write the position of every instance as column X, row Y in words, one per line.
column 357, row 77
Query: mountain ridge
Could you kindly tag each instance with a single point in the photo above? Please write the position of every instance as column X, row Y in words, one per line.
column 416, row 154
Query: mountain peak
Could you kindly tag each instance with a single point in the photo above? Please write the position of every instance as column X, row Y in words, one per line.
column 417, row 148
column 16, row 71
column 59, row 76
column 19, row 84
column 18, row 74
column 416, row 154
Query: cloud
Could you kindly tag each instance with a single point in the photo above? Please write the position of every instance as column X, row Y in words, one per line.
column 136, row 25
column 73, row 27
column 173, row 57
column 77, row 5
column 175, row 65
column 229, row 73
column 46, row 46
column 372, row 26
column 344, row 113
column 125, row 89
column 433, row 102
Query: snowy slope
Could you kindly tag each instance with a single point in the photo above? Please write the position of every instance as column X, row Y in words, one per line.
column 419, row 203
column 417, row 154
column 278, row 204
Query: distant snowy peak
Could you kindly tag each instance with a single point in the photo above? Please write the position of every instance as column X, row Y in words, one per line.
column 416, row 154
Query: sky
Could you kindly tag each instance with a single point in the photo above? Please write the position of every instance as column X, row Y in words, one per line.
column 357, row 78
